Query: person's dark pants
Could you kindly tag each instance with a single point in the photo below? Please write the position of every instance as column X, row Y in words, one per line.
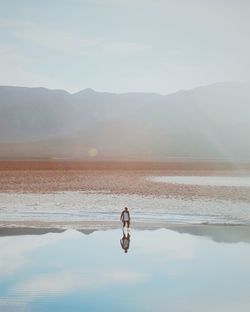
column 126, row 222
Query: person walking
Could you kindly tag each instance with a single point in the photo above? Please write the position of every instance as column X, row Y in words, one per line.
column 125, row 217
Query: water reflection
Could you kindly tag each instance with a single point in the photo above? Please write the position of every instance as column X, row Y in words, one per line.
column 218, row 233
column 125, row 241
column 165, row 270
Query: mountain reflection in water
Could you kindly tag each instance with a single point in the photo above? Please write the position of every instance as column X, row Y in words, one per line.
column 183, row 269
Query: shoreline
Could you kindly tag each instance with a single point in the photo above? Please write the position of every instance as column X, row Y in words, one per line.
column 106, row 225
column 93, row 225
column 216, row 232
column 92, row 200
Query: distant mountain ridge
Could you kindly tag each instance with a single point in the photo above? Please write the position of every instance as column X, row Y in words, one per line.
column 209, row 122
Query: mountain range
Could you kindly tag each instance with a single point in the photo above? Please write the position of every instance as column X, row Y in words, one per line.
column 209, row 122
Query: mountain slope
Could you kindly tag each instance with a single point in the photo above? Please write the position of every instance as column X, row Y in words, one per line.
column 211, row 122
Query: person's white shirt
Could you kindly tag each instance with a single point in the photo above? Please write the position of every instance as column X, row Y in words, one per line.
column 125, row 216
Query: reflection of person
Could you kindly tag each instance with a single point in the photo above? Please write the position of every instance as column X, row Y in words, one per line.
column 125, row 241
column 125, row 217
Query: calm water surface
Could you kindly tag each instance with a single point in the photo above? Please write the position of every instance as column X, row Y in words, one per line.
column 162, row 270
column 204, row 180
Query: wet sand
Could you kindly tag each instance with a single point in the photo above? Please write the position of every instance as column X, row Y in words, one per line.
column 63, row 225
column 117, row 182
column 128, row 179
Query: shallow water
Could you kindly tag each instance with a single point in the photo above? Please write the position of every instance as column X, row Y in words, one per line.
column 163, row 270
column 80, row 206
column 204, row 180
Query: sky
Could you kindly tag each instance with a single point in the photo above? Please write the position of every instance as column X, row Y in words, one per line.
column 120, row 46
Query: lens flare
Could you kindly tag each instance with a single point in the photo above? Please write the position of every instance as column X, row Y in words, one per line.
column 92, row 152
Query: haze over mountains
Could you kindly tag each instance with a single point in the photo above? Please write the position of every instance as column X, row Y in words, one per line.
column 210, row 122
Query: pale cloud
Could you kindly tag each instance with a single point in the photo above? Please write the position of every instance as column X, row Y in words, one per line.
column 74, row 44
column 66, row 282
column 63, row 283
column 15, row 69
column 17, row 253
column 123, row 47
column 67, row 41
column 63, row 41
column 173, row 246
column 14, row 250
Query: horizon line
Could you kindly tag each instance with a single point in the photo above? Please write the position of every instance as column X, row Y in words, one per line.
column 88, row 89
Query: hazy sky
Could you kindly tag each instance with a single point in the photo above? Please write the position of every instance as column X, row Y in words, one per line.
column 124, row 45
